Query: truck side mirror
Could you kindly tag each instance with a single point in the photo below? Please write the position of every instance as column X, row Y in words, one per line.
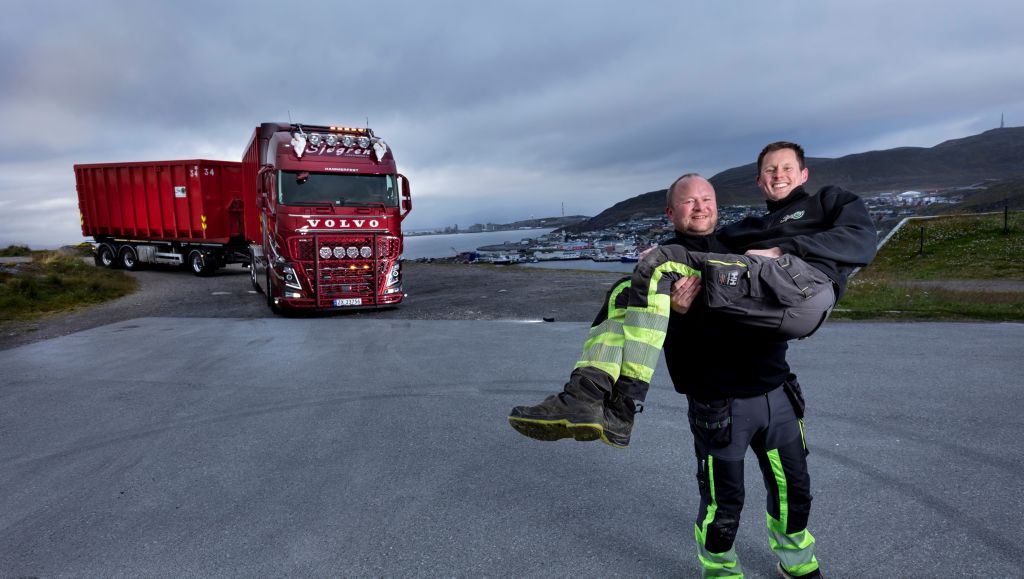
column 406, row 195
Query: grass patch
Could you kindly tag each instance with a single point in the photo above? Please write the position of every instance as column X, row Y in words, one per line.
column 55, row 282
column 961, row 247
column 957, row 247
column 15, row 251
column 871, row 299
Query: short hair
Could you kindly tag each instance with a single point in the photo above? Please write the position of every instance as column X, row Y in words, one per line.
column 672, row 187
column 778, row 146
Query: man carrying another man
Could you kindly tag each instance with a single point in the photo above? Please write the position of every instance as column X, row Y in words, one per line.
column 726, row 352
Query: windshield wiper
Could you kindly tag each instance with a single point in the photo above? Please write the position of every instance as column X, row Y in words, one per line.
column 365, row 204
column 311, row 203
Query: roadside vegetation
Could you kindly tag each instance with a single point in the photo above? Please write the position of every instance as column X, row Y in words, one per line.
column 910, row 278
column 55, row 281
column 15, row 251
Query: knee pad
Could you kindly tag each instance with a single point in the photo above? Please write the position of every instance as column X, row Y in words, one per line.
column 721, row 532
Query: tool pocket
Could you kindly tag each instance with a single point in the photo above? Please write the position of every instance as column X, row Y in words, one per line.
column 711, row 421
column 791, row 280
column 726, row 281
column 796, row 396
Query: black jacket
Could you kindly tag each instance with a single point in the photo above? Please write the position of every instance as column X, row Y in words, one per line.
column 831, row 230
column 710, row 358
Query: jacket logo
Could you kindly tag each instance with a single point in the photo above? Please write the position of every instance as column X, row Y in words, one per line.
column 793, row 216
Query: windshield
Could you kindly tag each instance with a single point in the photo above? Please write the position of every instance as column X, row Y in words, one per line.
column 303, row 188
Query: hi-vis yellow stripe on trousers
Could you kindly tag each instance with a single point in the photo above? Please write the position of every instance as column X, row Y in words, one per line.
column 644, row 327
column 603, row 348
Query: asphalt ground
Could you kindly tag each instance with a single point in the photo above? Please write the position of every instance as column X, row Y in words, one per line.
column 434, row 292
column 350, row 446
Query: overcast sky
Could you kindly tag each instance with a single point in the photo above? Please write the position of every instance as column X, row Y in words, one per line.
column 496, row 111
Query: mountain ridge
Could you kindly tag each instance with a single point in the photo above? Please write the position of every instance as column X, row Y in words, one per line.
column 993, row 155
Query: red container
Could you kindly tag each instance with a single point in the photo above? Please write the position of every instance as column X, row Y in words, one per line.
column 197, row 200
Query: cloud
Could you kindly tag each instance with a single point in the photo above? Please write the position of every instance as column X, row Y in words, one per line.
column 495, row 110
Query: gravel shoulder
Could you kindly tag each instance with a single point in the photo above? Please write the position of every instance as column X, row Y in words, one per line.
column 435, row 292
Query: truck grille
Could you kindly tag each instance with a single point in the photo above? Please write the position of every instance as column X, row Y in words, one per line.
column 346, row 277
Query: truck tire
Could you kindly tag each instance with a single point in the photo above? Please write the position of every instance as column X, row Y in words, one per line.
column 201, row 264
column 252, row 274
column 129, row 258
column 270, row 300
column 106, row 257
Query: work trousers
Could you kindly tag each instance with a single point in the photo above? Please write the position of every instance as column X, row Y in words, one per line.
column 771, row 425
column 780, row 298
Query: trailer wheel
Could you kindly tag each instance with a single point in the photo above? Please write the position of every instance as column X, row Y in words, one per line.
column 201, row 264
column 106, row 257
column 129, row 259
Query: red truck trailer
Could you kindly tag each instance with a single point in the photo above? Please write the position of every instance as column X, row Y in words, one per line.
column 171, row 212
column 315, row 212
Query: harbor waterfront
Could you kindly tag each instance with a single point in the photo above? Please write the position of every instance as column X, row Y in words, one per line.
column 450, row 244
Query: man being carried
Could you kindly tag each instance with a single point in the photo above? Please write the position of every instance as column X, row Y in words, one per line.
column 722, row 353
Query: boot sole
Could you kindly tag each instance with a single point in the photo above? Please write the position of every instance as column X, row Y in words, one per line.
column 613, row 441
column 539, row 429
column 555, row 429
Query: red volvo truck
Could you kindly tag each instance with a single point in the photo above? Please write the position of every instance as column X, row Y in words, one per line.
column 315, row 212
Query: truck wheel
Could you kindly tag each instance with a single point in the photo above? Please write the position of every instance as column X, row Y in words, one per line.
column 252, row 274
column 201, row 264
column 105, row 256
column 270, row 300
column 129, row 259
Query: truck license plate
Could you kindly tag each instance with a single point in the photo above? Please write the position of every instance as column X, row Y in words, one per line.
column 349, row 302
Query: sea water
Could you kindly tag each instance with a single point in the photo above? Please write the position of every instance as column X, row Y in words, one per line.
column 450, row 244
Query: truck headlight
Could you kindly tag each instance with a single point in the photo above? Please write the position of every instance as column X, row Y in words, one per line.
column 290, row 278
column 395, row 275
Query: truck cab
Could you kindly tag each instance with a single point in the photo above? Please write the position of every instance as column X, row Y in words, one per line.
column 328, row 212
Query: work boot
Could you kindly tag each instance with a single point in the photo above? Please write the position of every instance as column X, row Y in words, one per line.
column 577, row 412
column 618, row 419
column 816, row 574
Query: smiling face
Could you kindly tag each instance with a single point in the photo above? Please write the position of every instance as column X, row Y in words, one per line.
column 780, row 173
column 692, row 208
